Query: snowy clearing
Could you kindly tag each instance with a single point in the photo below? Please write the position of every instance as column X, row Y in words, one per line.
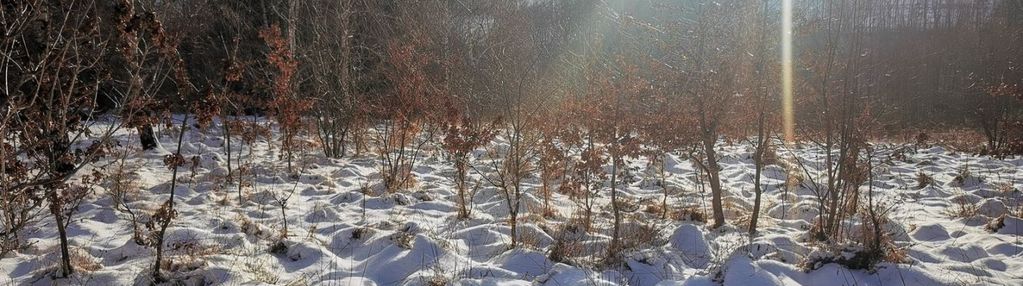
column 343, row 229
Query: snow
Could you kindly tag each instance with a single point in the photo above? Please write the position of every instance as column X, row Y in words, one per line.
column 689, row 241
column 344, row 229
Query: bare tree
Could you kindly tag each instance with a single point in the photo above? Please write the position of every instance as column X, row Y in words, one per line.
column 616, row 95
column 707, row 82
column 513, row 76
column 761, row 102
column 834, row 125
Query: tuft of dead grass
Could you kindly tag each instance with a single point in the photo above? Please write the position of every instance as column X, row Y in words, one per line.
column 962, row 207
column 689, row 213
column 83, row 261
column 923, row 180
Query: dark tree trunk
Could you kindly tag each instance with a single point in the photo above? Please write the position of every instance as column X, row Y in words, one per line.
column 65, row 256
column 758, row 159
column 758, row 190
column 147, row 137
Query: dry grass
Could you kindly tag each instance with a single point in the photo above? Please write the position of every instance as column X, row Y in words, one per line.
column 530, row 239
column 404, row 178
column 189, row 255
column 83, row 261
column 923, row 180
column 402, row 239
column 538, row 214
column 653, row 208
column 567, row 246
column 247, row 226
column 261, row 273
column 996, row 224
column 689, row 213
column 963, row 175
column 122, row 182
column 1005, row 188
column 962, row 207
column 956, row 139
column 638, row 236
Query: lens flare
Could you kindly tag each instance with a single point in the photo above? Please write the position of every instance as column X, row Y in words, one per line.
column 788, row 116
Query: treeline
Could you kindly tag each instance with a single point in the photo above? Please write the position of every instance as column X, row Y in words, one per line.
column 570, row 86
column 921, row 64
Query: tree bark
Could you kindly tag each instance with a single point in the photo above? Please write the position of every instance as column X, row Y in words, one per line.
column 715, row 181
column 147, row 137
column 66, row 269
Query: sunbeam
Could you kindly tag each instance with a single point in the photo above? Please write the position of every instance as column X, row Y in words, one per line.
column 786, row 72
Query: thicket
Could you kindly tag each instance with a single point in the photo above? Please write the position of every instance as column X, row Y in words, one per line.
column 568, row 92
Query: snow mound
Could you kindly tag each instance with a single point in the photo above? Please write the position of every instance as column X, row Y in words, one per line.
column 741, row 271
column 689, row 240
column 526, row 263
column 1008, row 225
column 931, row 232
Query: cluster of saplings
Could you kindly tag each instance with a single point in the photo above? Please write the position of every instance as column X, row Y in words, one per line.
column 468, row 80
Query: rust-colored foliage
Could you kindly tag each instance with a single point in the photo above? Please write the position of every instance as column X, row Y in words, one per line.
column 287, row 108
column 464, row 135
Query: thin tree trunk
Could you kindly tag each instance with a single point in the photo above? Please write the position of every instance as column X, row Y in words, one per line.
column 463, row 212
column 66, row 269
column 513, row 214
column 170, row 204
column 715, row 181
column 227, row 137
column 758, row 162
column 284, row 217
column 664, row 186
column 615, row 234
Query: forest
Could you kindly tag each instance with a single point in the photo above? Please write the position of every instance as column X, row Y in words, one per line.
column 511, row 142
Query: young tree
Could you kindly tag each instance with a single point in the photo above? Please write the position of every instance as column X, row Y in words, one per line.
column 513, row 76
column 761, row 102
column 52, row 58
column 995, row 76
column 327, row 31
column 287, row 107
column 407, row 115
column 512, row 164
column 616, row 95
column 666, row 129
column 553, row 159
column 997, row 112
column 463, row 136
column 707, row 80
column 136, row 27
column 412, row 109
column 834, row 109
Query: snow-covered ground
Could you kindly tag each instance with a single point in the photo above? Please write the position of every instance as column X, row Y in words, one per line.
column 344, row 230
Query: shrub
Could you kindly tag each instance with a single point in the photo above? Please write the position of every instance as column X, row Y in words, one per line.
column 122, row 182
column 922, row 139
column 642, row 235
column 278, row 247
column 995, row 224
column 964, row 177
column 689, row 213
column 567, row 245
column 923, row 180
column 854, row 255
